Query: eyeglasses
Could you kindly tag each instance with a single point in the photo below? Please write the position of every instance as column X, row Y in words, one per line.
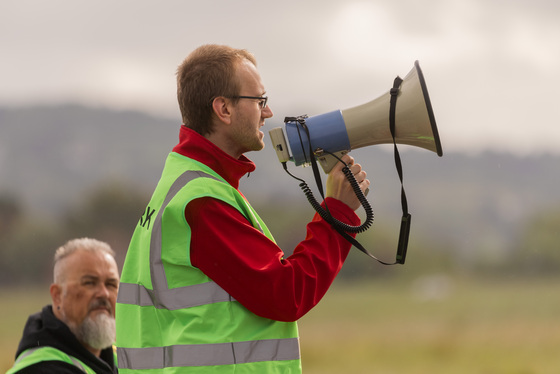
column 262, row 99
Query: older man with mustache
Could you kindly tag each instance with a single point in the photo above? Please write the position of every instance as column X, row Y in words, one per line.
column 75, row 334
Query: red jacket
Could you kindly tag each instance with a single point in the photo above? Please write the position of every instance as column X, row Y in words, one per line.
column 243, row 261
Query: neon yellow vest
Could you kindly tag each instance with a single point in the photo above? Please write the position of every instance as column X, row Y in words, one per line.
column 35, row 355
column 172, row 318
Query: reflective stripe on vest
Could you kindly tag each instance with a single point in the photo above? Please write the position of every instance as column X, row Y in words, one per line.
column 159, row 280
column 175, row 298
column 41, row 354
column 208, row 354
column 163, row 297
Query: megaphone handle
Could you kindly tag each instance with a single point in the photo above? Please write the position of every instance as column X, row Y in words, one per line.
column 328, row 161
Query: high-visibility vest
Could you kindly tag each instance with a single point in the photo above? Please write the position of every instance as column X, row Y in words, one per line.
column 171, row 317
column 35, row 355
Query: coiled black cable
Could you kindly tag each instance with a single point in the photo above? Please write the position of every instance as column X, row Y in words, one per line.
column 326, row 215
column 342, row 228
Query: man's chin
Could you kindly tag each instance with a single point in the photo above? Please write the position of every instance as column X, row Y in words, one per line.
column 98, row 329
column 261, row 141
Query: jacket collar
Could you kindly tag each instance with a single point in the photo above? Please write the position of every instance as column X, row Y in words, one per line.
column 44, row 329
column 195, row 146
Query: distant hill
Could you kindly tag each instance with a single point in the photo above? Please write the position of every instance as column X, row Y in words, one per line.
column 49, row 156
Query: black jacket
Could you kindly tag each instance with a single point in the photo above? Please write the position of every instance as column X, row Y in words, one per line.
column 44, row 329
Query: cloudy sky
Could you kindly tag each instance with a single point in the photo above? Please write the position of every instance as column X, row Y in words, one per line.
column 491, row 66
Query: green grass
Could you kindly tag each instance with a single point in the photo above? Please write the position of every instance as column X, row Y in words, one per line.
column 486, row 327
column 432, row 325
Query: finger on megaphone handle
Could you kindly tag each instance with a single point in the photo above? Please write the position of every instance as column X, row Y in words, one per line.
column 349, row 160
column 357, row 169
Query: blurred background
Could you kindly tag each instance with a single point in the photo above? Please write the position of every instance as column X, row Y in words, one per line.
column 88, row 114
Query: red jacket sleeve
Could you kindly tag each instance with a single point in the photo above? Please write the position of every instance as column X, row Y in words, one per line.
column 251, row 267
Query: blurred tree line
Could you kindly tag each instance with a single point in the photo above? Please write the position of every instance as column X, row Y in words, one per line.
column 109, row 212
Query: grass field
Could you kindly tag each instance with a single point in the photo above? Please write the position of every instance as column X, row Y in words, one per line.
column 431, row 325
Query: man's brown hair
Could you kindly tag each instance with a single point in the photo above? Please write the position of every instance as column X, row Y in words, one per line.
column 208, row 72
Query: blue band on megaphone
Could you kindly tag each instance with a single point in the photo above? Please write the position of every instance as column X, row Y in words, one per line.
column 327, row 131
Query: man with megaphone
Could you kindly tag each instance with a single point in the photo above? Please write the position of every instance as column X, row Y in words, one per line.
column 204, row 287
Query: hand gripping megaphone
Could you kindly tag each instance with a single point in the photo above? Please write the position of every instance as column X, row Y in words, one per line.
column 403, row 115
column 340, row 131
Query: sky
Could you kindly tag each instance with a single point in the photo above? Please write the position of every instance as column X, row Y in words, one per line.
column 491, row 66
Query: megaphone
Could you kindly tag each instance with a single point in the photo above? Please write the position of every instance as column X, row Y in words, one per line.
column 340, row 131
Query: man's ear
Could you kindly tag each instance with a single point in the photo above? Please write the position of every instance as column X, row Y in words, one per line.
column 221, row 108
column 56, row 294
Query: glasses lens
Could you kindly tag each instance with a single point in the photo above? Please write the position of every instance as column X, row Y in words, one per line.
column 262, row 99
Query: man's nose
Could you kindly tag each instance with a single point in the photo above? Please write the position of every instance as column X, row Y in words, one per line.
column 103, row 291
column 267, row 112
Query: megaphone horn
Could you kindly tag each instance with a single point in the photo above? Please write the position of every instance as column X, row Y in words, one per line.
column 340, row 131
